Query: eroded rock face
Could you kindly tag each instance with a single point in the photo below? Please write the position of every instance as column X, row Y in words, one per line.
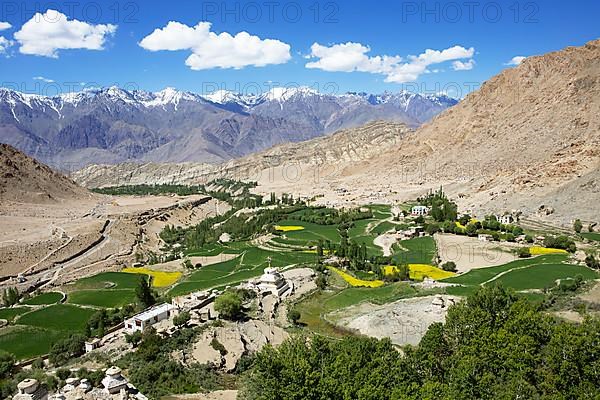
column 224, row 346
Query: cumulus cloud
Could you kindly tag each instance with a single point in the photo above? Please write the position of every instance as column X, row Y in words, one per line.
column 516, row 60
column 4, row 26
column 349, row 57
column 211, row 50
column 45, row 34
column 43, row 79
column 463, row 66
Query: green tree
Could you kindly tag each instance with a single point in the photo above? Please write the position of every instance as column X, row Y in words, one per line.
column 144, row 294
column 524, row 252
column 229, row 305
column 577, row 225
column 294, row 316
column 449, row 266
column 10, row 297
column 7, row 363
column 182, row 319
column 63, row 350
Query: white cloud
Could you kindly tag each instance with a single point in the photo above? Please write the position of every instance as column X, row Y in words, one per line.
column 5, row 44
column 45, row 34
column 349, row 57
column 463, row 66
column 41, row 78
column 516, row 60
column 211, row 50
column 4, row 26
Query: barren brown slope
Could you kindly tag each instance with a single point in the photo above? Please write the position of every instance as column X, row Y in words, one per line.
column 25, row 180
column 529, row 136
column 291, row 164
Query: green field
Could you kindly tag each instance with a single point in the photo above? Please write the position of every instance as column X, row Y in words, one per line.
column 249, row 264
column 26, row 342
column 311, row 232
column 44, row 298
column 521, row 275
column 10, row 313
column 59, row 317
column 591, row 236
column 418, row 251
column 104, row 298
column 109, row 280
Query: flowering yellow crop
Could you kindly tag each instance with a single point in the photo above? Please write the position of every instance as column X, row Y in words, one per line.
column 355, row 281
column 288, row 228
column 472, row 221
column 418, row 272
column 159, row 278
column 540, row 251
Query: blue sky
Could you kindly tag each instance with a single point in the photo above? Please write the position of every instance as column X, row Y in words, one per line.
column 373, row 39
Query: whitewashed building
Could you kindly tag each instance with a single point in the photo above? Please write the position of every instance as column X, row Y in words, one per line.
column 149, row 317
column 419, row 210
column 273, row 282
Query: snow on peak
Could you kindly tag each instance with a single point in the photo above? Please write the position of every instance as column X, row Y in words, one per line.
column 285, row 94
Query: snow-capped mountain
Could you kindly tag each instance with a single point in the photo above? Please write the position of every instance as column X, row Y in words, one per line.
column 109, row 125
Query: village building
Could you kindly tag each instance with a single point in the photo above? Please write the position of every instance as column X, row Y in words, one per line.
column 30, row 389
column 91, row 345
column 149, row 317
column 195, row 300
column 505, row 219
column 484, row 237
column 419, row 210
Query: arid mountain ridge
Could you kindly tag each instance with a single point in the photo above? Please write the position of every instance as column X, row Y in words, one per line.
column 25, row 180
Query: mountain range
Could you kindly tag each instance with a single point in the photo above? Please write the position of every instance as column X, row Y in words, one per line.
column 113, row 125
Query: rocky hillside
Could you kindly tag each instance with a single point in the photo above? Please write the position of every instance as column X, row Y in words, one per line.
column 293, row 162
column 25, row 180
column 113, row 125
column 530, row 137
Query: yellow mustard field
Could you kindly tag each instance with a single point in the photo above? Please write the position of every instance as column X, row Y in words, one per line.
column 420, row 271
column 540, row 251
column 352, row 281
column 159, row 278
column 288, row 228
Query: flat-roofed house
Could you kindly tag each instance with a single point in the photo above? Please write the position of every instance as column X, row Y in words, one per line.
column 149, row 317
